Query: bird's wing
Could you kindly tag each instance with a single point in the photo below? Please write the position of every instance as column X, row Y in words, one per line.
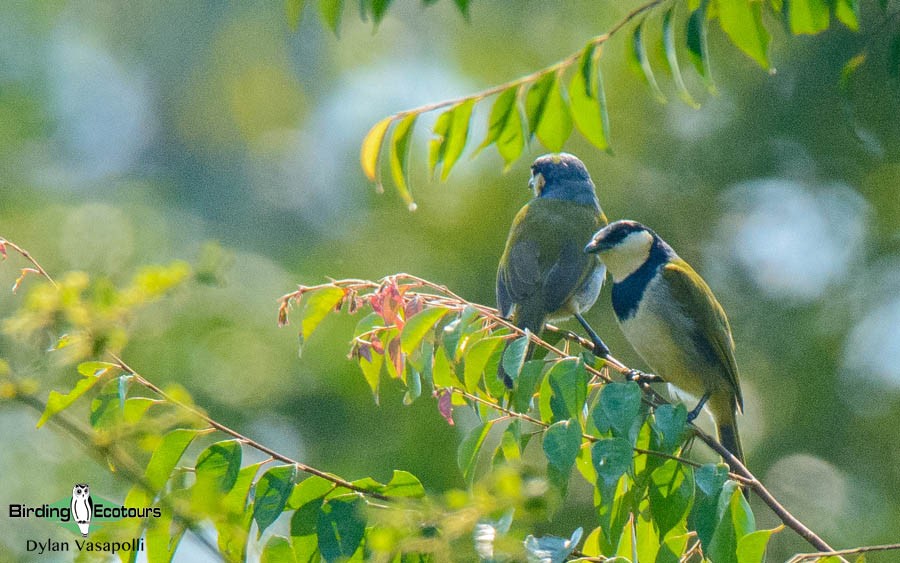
column 566, row 274
column 518, row 277
column 699, row 302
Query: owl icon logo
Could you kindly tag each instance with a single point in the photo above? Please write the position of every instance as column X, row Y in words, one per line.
column 82, row 507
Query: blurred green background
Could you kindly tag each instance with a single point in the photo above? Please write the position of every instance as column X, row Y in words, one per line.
column 132, row 134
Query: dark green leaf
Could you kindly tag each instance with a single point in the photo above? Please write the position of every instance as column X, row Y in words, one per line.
column 276, row 550
column 316, row 306
column 709, row 480
column 564, row 391
column 672, row 57
column 641, row 63
column 742, row 22
column 417, row 327
column 340, row 528
column 618, row 409
column 589, row 100
column 735, row 521
column 399, row 155
column 166, row 455
column 379, row 9
column 697, row 44
column 467, row 454
column 669, row 424
column 217, row 467
column 504, row 105
column 562, row 441
column 331, row 12
column 527, row 385
column 808, row 16
column 612, row 458
column 413, row 386
column 514, row 357
column 671, row 494
column 272, row 492
column 894, row 57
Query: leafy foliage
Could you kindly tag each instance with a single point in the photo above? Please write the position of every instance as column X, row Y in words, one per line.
column 548, row 106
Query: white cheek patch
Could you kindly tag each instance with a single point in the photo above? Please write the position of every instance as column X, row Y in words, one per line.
column 628, row 255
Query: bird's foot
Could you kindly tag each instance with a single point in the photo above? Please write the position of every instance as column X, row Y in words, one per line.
column 640, row 377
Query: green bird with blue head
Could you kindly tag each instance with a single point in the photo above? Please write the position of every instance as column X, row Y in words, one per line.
column 672, row 319
column 544, row 275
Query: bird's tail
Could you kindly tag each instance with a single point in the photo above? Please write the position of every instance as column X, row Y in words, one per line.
column 731, row 440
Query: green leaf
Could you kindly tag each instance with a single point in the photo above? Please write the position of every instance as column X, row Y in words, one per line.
column 403, row 484
column 527, row 384
column 413, row 385
column 95, row 369
column 233, row 521
column 417, row 327
column 371, row 148
column 163, row 536
column 331, row 12
column 736, row 521
column 477, row 358
column 618, row 409
column 379, row 9
column 709, row 480
column 442, row 372
column 467, row 454
column 166, row 455
column 553, row 121
column 808, row 16
column 698, row 46
column 742, row 22
column 308, row 490
column 612, row 457
column 514, row 357
column 672, row 57
column 293, row 10
column 399, row 156
column 316, row 306
column 273, row 490
column 277, row 549
column 216, row 471
column 340, row 528
column 669, row 425
column 536, row 100
column 589, row 100
column 641, row 63
column 451, row 132
column 564, row 391
column 562, row 441
column 752, row 547
column 671, row 494
column 847, row 12
column 505, row 127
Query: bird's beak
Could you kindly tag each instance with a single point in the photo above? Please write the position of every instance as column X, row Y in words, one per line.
column 536, row 183
column 597, row 244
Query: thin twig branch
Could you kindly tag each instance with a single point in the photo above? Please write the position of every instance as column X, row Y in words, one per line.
column 4, row 244
column 248, row 441
column 855, row 551
column 448, row 299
